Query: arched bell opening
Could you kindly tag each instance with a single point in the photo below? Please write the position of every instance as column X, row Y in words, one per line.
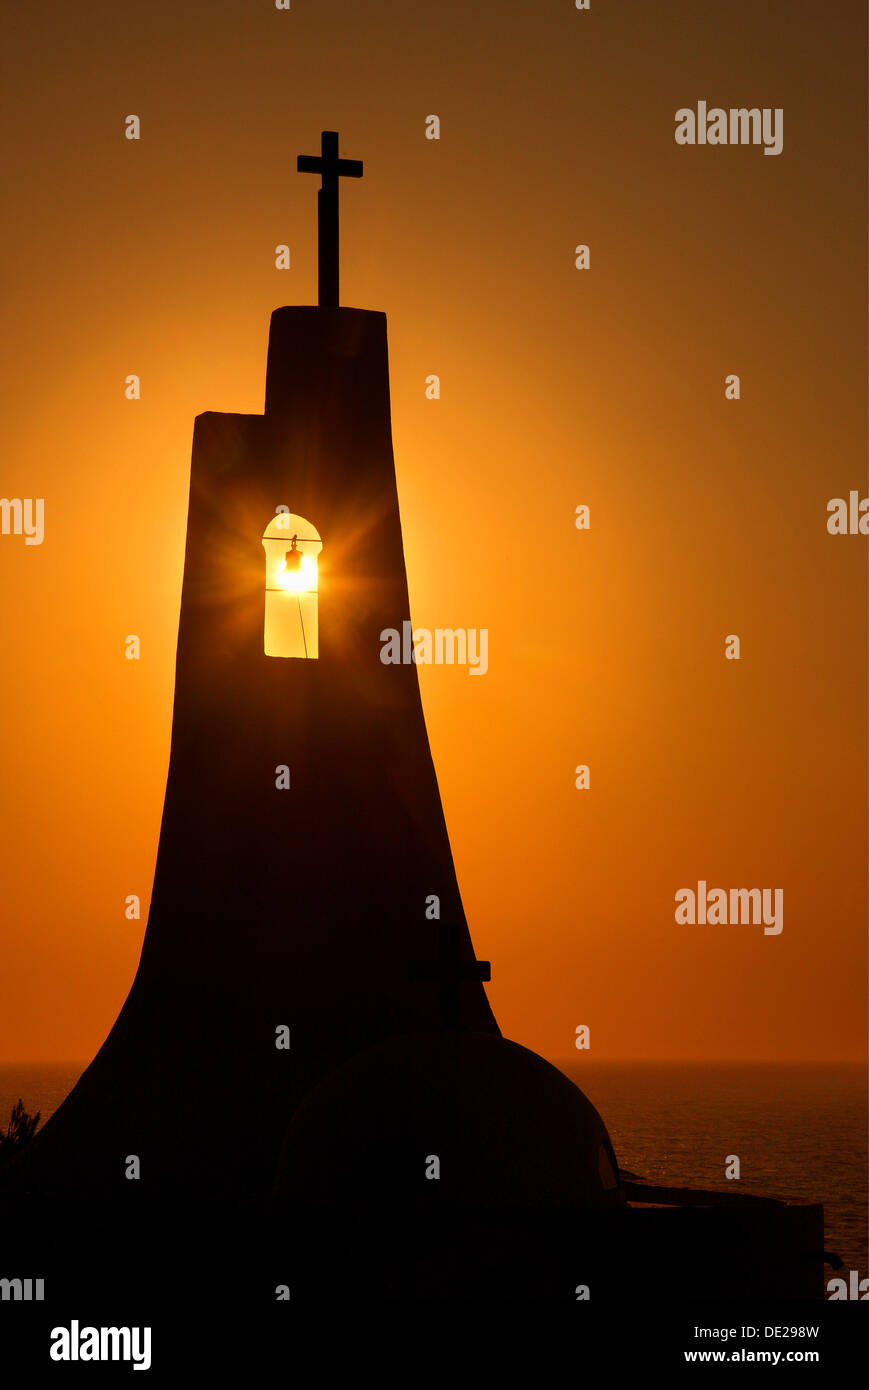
column 292, row 546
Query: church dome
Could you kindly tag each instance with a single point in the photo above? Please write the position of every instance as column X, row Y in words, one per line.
column 448, row 1119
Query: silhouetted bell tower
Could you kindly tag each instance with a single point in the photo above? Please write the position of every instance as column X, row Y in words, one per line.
column 302, row 828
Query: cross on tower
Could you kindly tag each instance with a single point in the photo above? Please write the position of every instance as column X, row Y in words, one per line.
column 331, row 168
column 450, row 970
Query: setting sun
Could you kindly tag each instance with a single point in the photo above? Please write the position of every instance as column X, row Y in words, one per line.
column 300, row 579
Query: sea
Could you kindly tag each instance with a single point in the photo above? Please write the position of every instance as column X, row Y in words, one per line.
column 800, row 1131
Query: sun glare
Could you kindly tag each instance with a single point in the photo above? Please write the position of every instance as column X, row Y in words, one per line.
column 298, row 580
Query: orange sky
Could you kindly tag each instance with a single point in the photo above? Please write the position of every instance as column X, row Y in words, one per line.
column 559, row 387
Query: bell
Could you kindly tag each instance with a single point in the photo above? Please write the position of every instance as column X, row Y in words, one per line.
column 293, row 559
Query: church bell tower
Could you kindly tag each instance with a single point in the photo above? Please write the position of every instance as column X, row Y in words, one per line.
column 307, row 960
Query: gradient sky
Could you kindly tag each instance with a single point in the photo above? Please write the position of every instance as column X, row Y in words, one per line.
column 559, row 387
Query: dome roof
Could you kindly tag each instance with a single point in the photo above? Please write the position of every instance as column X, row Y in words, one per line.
column 506, row 1127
